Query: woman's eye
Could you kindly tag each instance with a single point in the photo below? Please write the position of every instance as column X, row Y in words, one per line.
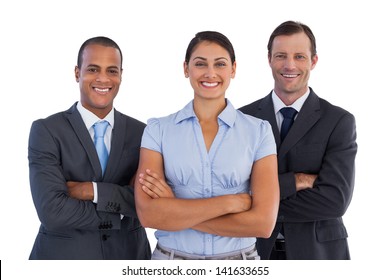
column 221, row 64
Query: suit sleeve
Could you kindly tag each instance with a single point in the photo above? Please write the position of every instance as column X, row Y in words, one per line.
column 116, row 199
column 54, row 207
column 117, row 196
column 332, row 191
column 287, row 180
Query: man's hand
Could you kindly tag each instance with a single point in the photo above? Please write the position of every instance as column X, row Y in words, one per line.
column 80, row 190
column 304, row 181
column 154, row 186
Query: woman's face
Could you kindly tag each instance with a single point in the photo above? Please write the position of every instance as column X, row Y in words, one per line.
column 209, row 70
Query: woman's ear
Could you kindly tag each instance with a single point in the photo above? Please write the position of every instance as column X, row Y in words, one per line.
column 233, row 74
column 185, row 67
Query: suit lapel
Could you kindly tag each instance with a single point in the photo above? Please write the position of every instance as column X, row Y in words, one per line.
column 82, row 133
column 266, row 111
column 117, row 144
column 307, row 117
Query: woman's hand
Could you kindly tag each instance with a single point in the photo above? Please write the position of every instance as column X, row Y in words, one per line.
column 154, row 186
column 240, row 202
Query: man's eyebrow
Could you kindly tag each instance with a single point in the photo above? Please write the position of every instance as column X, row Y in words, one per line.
column 97, row 66
column 93, row 65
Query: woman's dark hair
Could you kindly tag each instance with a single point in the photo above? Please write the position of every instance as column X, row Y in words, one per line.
column 210, row 36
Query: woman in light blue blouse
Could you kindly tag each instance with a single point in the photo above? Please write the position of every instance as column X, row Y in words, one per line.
column 208, row 173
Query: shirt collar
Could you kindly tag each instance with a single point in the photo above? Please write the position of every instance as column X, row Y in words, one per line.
column 90, row 118
column 297, row 105
column 228, row 115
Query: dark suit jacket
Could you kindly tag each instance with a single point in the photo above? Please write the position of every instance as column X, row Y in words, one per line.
column 60, row 150
column 321, row 141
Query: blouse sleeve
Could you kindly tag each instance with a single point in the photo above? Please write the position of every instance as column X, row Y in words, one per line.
column 266, row 145
column 151, row 138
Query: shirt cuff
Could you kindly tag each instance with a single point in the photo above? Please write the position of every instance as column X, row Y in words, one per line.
column 95, row 193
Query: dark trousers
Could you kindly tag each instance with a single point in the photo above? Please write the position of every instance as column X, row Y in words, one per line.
column 279, row 250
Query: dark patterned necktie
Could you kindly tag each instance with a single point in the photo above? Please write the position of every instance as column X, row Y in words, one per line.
column 288, row 115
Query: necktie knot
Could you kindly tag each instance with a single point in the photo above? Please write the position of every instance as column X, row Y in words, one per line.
column 101, row 149
column 100, row 128
column 288, row 115
column 288, row 112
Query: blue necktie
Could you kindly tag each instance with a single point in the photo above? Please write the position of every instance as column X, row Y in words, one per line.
column 288, row 115
column 100, row 129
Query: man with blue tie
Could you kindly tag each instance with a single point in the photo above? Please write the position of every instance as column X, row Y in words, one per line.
column 82, row 162
column 316, row 143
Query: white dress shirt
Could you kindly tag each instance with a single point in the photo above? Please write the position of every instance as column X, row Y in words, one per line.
column 278, row 104
column 90, row 119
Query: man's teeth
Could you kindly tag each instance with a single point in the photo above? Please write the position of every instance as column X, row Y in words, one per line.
column 102, row 89
column 290, row 76
column 210, row 84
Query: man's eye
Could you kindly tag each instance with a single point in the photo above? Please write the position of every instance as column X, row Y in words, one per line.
column 113, row 71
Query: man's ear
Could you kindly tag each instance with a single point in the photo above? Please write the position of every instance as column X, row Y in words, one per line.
column 314, row 61
column 77, row 73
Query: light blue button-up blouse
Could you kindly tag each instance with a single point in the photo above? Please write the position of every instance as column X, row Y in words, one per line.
column 192, row 172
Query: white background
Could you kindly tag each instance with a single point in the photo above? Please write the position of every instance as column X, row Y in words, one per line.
column 39, row 45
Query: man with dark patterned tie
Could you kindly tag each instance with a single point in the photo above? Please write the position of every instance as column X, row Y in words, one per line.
column 316, row 143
